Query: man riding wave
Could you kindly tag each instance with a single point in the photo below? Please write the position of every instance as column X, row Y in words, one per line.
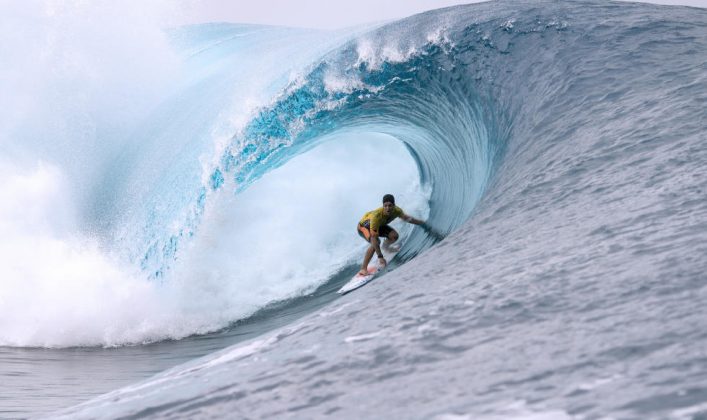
column 374, row 224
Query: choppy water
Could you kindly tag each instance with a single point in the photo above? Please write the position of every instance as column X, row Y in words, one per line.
column 562, row 146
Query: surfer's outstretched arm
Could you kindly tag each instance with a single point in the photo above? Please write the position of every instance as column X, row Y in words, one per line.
column 429, row 229
column 412, row 220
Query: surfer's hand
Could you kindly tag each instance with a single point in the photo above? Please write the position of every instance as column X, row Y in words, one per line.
column 432, row 232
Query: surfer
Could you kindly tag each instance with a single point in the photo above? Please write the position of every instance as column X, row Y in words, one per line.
column 375, row 224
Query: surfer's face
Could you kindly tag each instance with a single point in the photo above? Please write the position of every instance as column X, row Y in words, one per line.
column 387, row 208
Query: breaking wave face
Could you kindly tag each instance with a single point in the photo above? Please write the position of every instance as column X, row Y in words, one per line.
column 158, row 198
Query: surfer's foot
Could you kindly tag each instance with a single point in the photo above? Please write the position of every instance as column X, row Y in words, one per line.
column 362, row 272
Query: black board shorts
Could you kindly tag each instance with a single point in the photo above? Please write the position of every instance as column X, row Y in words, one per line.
column 364, row 231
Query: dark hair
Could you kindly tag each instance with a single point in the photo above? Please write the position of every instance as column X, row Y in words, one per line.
column 388, row 198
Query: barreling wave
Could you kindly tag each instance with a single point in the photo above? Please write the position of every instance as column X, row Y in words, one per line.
column 391, row 81
column 456, row 86
column 471, row 92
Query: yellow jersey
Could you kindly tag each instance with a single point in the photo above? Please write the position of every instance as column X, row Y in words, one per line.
column 374, row 219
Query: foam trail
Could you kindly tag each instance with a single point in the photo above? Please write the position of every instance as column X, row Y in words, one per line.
column 58, row 289
column 70, row 84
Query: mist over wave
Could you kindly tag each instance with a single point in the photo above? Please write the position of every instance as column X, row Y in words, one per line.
column 70, row 84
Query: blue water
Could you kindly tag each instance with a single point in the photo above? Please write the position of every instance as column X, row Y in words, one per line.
column 557, row 147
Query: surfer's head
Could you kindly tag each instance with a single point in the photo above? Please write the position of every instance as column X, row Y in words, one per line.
column 388, row 203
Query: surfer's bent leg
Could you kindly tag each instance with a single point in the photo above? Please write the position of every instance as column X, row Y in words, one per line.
column 374, row 248
column 364, row 232
column 390, row 234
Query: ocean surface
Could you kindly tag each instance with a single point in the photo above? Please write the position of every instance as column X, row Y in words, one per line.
column 180, row 207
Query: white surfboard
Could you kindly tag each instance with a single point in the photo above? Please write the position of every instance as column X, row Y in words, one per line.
column 373, row 270
column 358, row 280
